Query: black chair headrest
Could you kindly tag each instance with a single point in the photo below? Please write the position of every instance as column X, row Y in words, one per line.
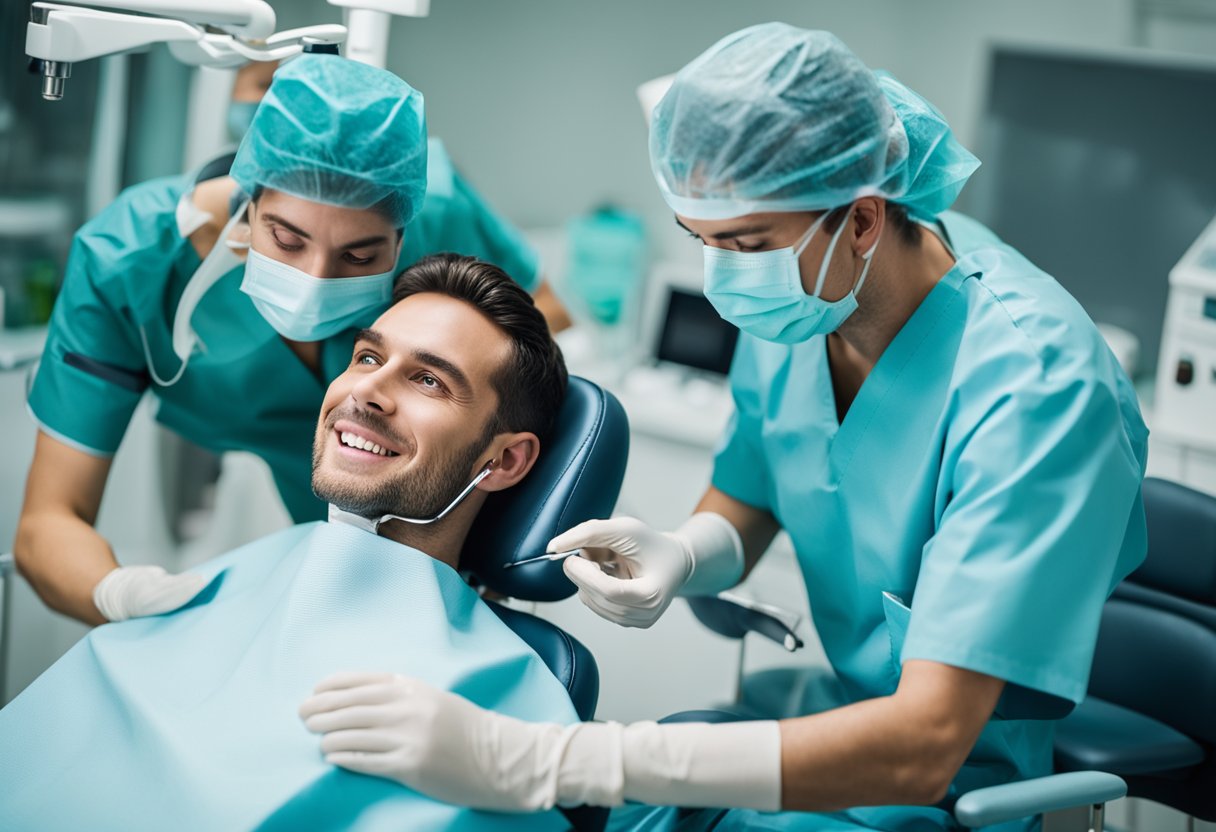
column 577, row 477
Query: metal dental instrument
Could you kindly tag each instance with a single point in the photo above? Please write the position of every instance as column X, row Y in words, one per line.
column 419, row 521
column 545, row 556
column 372, row 524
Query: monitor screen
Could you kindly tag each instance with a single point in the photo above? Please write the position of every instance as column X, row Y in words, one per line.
column 694, row 335
column 1100, row 168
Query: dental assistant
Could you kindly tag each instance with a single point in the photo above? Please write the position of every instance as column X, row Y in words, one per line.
column 234, row 299
column 937, row 424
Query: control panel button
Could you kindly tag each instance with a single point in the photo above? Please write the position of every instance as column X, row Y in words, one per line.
column 1185, row 373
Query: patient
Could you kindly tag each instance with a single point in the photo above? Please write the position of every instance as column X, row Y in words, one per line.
column 188, row 720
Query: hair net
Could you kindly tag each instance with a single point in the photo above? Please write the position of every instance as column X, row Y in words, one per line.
column 775, row 118
column 336, row 131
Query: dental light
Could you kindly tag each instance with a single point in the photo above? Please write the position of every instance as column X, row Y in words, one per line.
column 216, row 33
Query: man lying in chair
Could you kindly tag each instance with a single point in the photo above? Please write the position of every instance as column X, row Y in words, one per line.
column 189, row 720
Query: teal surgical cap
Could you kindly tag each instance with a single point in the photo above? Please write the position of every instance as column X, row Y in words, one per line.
column 340, row 132
column 775, row 118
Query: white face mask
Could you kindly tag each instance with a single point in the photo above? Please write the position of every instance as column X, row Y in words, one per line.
column 761, row 292
column 306, row 308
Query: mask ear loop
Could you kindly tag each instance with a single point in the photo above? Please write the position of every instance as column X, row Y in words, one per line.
column 868, row 257
column 805, row 239
column 827, row 257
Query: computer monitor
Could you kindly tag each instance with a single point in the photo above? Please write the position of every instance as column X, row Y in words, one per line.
column 1101, row 168
column 694, row 335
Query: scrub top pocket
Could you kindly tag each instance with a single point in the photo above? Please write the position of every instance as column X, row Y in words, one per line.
column 897, row 615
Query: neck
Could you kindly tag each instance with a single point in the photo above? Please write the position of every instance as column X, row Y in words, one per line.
column 442, row 540
column 900, row 279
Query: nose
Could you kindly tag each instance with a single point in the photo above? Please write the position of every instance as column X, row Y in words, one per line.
column 372, row 391
column 317, row 264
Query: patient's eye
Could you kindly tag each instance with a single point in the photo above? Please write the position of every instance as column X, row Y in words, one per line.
column 429, row 381
column 366, row 359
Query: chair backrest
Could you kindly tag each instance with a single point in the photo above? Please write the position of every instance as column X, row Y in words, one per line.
column 1156, row 651
column 577, row 477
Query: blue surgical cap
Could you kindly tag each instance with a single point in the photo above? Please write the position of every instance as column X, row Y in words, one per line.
column 776, row 118
column 340, row 132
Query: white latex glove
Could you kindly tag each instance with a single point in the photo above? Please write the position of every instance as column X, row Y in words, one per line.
column 135, row 591
column 702, row 557
column 435, row 742
column 448, row 748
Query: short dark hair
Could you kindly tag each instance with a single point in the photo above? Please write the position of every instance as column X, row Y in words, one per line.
column 531, row 384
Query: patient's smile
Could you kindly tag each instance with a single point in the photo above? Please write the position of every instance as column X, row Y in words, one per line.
column 358, row 442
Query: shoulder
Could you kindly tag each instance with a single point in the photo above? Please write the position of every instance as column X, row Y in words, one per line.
column 1015, row 308
column 147, row 200
column 440, row 173
column 139, row 224
column 1027, row 342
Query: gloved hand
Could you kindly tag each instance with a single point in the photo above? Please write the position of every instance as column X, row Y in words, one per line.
column 436, row 742
column 648, row 568
column 448, row 748
column 135, row 591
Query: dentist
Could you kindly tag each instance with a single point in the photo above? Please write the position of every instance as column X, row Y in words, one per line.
column 936, row 423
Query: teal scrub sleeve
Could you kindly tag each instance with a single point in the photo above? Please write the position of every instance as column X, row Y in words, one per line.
column 1043, row 519
column 92, row 373
column 456, row 218
column 740, row 470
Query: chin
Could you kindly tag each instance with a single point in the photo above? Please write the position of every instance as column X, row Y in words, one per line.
column 349, row 493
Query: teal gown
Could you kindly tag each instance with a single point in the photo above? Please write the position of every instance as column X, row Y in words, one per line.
column 189, row 721
column 244, row 388
column 976, row 506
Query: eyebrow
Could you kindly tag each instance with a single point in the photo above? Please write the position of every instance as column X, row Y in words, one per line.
column 300, row 232
column 440, row 363
column 730, row 235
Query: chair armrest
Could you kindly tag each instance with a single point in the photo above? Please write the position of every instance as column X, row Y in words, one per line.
column 734, row 616
column 1011, row 801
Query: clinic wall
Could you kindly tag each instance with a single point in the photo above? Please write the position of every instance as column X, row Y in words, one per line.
column 535, row 98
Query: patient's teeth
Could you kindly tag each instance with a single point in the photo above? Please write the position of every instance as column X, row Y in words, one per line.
column 354, row 440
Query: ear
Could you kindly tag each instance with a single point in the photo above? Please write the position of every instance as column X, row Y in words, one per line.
column 869, row 217
column 516, row 454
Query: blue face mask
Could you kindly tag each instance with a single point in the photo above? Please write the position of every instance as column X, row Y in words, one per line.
column 306, row 308
column 761, row 292
column 240, row 116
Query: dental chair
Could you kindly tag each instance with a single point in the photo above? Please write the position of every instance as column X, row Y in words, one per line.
column 577, row 477
column 1150, row 713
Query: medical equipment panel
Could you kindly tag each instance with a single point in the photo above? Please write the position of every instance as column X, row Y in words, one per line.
column 1185, row 407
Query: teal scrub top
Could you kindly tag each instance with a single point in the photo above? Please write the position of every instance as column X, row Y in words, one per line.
column 976, row 506
column 243, row 389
